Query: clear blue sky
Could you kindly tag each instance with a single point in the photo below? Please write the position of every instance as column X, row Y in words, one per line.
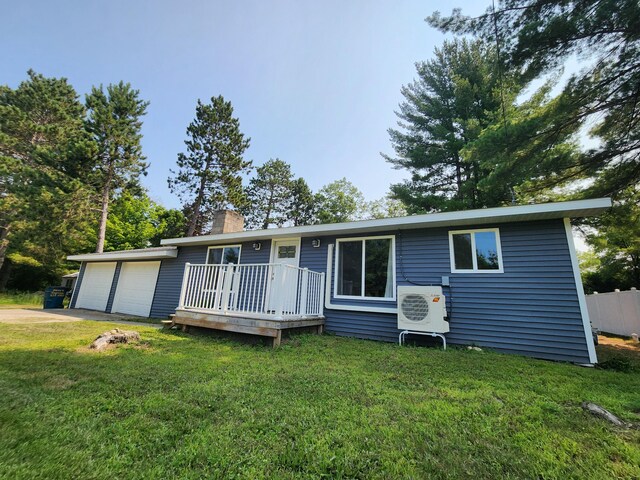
column 314, row 83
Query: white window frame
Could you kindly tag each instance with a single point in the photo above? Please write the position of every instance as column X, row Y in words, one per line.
column 474, row 257
column 362, row 296
column 223, row 247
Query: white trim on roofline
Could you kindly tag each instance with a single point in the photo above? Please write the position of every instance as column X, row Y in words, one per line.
column 140, row 254
column 572, row 209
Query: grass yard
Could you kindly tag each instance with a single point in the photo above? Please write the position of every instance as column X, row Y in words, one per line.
column 189, row 406
column 21, row 299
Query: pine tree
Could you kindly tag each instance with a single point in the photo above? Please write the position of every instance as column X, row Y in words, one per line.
column 302, row 208
column 209, row 175
column 114, row 122
column 45, row 157
column 455, row 97
column 536, row 38
column 269, row 195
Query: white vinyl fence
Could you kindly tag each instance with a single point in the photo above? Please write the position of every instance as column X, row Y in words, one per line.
column 615, row 312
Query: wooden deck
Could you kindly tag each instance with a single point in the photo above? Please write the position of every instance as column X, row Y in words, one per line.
column 242, row 324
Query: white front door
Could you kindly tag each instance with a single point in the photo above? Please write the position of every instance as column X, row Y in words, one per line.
column 284, row 281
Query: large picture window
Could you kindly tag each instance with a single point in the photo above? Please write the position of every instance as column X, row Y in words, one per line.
column 365, row 268
column 476, row 251
column 223, row 255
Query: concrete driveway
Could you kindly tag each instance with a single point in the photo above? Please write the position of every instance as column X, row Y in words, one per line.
column 25, row 316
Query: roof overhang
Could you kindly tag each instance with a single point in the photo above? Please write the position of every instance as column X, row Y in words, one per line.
column 140, row 254
column 545, row 211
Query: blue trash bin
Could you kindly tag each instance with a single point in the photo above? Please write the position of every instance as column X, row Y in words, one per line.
column 54, row 296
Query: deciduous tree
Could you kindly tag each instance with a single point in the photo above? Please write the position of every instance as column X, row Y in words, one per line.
column 340, row 201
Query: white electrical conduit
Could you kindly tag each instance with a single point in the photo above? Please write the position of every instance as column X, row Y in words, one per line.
column 351, row 308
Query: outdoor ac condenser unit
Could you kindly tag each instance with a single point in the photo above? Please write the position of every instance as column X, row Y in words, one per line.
column 422, row 309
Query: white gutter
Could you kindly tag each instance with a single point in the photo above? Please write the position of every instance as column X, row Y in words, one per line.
column 150, row 254
column 573, row 209
column 350, row 308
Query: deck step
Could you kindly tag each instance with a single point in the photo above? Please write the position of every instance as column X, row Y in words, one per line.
column 168, row 324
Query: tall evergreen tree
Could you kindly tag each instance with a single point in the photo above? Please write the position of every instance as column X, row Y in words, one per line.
column 302, row 208
column 536, row 37
column 456, row 96
column 269, row 195
column 45, row 157
column 114, row 122
column 209, row 175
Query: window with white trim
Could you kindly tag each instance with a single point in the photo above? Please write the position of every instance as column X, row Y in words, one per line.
column 365, row 268
column 223, row 255
column 475, row 251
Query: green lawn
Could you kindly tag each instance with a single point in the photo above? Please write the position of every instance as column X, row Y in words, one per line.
column 189, row 406
column 21, row 299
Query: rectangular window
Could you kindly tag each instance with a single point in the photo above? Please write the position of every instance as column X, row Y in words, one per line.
column 475, row 251
column 365, row 268
column 224, row 255
column 288, row 251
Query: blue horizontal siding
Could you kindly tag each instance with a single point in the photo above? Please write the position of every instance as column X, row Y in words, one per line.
column 167, row 294
column 530, row 309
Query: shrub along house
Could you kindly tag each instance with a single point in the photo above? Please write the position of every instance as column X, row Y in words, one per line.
column 509, row 275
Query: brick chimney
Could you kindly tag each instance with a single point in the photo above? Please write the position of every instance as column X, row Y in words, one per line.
column 227, row 221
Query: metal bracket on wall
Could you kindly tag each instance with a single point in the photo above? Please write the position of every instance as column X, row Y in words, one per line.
column 404, row 333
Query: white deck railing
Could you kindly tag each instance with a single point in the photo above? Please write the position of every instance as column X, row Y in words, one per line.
column 268, row 290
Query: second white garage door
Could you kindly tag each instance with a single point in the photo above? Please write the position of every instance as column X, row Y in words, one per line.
column 136, row 286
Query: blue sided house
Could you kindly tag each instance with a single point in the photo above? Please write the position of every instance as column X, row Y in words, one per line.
column 505, row 278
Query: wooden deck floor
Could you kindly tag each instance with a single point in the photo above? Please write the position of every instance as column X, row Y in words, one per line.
column 240, row 324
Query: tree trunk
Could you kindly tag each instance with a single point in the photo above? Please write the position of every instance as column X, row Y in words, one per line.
column 5, row 273
column 104, row 212
column 265, row 224
column 4, row 245
column 195, row 214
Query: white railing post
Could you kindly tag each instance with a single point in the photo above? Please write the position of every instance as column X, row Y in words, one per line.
column 183, row 289
column 321, row 295
column 226, row 289
column 280, row 274
column 304, row 290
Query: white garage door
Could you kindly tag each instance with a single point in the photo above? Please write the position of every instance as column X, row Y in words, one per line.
column 136, row 285
column 96, row 285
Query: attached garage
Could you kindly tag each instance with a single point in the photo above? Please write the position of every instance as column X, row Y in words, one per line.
column 96, row 285
column 136, row 286
column 119, row 282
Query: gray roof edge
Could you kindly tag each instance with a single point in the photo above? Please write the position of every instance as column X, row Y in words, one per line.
column 568, row 209
column 152, row 253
